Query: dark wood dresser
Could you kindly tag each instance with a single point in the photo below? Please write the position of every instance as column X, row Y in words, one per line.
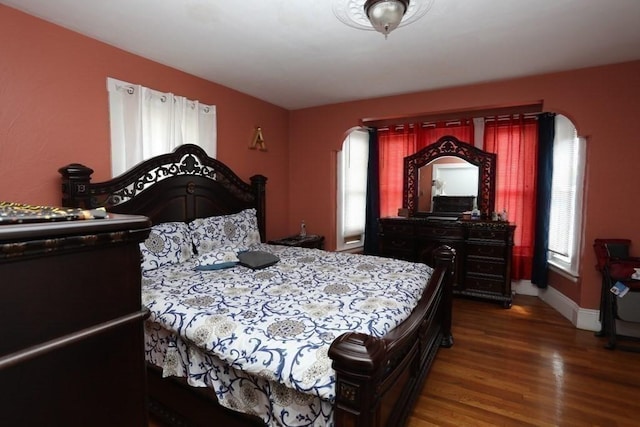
column 483, row 251
column 71, row 323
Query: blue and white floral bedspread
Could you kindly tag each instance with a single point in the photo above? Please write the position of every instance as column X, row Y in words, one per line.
column 273, row 327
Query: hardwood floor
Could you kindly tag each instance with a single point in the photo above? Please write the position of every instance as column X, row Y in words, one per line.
column 526, row 366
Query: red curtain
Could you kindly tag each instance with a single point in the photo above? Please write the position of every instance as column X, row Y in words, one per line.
column 394, row 145
column 397, row 142
column 431, row 132
column 515, row 142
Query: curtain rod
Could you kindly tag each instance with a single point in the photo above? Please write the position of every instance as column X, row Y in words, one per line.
column 426, row 124
column 449, row 115
column 510, row 116
column 460, row 121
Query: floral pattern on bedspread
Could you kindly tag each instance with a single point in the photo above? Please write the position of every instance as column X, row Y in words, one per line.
column 275, row 325
column 261, row 396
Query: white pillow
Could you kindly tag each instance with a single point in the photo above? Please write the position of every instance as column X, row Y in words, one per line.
column 240, row 229
column 168, row 243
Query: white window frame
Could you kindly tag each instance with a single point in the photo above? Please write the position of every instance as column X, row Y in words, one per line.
column 352, row 163
column 569, row 263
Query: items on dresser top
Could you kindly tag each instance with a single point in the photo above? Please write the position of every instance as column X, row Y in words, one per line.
column 19, row 213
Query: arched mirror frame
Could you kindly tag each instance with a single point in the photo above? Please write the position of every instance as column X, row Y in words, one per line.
column 450, row 146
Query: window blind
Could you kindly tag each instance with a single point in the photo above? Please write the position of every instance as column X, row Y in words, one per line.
column 564, row 188
column 352, row 189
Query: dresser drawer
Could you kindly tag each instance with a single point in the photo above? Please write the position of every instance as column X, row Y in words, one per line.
column 398, row 247
column 398, row 242
column 482, row 266
column 441, row 232
column 487, row 234
column 483, row 284
column 490, row 251
column 388, row 228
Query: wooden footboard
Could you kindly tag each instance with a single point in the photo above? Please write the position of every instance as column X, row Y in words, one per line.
column 378, row 379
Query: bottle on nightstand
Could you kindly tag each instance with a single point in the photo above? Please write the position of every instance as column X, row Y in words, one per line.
column 303, row 229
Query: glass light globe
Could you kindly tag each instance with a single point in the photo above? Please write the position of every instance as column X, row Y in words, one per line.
column 385, row 15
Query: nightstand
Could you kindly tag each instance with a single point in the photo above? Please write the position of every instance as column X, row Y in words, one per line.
column 309, row 241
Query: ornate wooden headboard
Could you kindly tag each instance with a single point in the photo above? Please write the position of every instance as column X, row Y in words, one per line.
column 178, row 186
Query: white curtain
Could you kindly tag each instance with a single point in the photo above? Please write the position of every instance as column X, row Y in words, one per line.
column 146, row 123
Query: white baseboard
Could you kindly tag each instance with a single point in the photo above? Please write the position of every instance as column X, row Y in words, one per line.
column 525, row 287
column 581, row 318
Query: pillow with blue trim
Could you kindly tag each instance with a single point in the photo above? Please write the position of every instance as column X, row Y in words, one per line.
column 167, row 243
column 219, row 258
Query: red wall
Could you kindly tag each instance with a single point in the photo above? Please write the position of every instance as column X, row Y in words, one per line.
column 603, row 102
column 54, row 111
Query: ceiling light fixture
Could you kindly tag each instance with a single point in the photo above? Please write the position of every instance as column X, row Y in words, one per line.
column 383, row 16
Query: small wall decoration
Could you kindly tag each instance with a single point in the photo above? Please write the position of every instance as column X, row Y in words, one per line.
column 258, row 140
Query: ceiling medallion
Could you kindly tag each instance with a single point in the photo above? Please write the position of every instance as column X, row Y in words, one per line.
column 383, row 15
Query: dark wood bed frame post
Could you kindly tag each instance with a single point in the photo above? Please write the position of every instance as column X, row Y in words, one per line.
column 75, row 185
column 358, row 362
column 445, row 256
column 258, row 184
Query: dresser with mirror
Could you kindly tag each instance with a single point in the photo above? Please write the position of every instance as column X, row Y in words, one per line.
column 443, row 183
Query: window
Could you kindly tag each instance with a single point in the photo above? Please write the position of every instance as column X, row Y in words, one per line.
column 146, row 123
column 565, row 222
column 352, row 190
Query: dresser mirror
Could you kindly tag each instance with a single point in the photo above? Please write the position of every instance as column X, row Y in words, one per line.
column 447, row 184
column 463, row 174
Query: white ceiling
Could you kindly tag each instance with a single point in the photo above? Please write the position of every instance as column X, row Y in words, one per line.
column 297, row 54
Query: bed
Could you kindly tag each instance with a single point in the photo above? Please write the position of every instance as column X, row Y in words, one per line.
column 232, row 343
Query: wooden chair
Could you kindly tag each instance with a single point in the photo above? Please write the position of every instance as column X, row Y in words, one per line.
column 615, row 263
